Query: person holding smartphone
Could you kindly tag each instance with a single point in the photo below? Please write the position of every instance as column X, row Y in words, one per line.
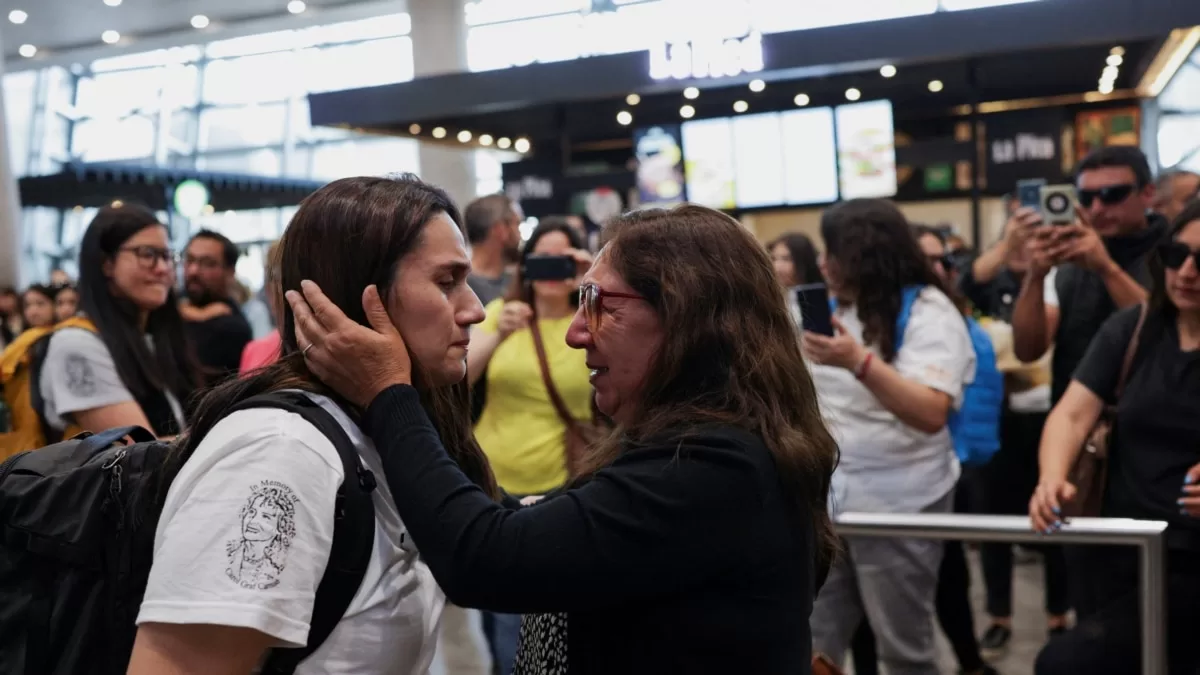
column 520, row 428
column 887, row 391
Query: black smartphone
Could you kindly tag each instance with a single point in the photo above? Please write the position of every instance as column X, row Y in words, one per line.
column 549, row 268
column 1029, row 192
column 816, row 314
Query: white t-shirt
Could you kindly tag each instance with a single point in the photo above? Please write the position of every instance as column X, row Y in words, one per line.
column 79, row 374
column 1050, row 289
column 245, row 535
column 885, row 464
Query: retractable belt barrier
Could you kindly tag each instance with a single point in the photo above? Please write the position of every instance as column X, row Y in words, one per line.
column 1146, row 535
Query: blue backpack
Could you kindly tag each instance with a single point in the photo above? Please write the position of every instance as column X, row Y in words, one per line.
column 975, row 426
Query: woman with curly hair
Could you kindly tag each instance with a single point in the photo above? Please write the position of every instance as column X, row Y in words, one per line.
column 887, row 385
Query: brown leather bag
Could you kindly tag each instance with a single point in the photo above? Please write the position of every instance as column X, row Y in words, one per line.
column 579, row 435
column 1089, row 475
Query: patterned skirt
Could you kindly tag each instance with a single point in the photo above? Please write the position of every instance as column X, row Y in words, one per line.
column 542, row 648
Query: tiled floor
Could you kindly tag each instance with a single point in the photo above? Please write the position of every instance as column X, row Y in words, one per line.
column 1029, row 629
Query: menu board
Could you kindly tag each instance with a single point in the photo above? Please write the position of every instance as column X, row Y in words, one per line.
column 660, row 164
column 758, row 161
column 809, row 156
column 866, row 150
column 709, row 165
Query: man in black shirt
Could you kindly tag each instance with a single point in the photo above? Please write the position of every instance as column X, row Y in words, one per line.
column 1080, row 274
column 214, row 322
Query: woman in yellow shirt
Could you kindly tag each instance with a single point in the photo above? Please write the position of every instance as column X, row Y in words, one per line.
column 520, row 429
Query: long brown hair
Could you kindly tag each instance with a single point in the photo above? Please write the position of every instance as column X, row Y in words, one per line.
column 731, row 351
column 876, row 256
column 346, row 236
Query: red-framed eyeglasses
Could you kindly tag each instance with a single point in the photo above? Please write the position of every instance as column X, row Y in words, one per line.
column 591, row 298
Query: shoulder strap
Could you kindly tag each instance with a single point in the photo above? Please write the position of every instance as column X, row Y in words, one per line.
column 353, row 529
column 908, row 296
column 559, row 406
column 1131, row 351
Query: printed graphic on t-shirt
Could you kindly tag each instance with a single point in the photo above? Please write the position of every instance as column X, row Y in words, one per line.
column 266, row 527
column 81, row 379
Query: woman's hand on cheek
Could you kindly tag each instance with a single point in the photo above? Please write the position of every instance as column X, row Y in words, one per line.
column 356, row 361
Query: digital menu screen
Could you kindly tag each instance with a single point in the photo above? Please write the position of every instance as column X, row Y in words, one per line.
column 866, row 150
column 809, row 156
column 709, row 165
column 758, row 161
column 659, row 164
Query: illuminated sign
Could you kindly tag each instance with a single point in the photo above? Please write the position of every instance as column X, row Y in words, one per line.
column 711, row 57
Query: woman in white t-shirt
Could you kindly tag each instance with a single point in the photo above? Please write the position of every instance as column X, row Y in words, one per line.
column 247, row 526
column 887, row 395
column 127, row 361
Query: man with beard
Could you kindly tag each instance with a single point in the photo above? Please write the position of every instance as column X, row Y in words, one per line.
column 493, row 229
column 215, row 324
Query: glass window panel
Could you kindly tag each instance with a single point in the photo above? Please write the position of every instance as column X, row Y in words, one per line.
column 253, row 79
column 1182, row 93
column 1178, row 139
column 244, row 127
column 157, row 57
column 20, row 90
column 181, row 87
column 254, row 225
column 55, row 133
column 298, row 164
column 255, row 44
column 368, row 157
column 365, row 64
column 75, row 223
column 182, row 128
column 60, row 88
column 264, row 162
column 389, row 25
column 119, row 93
column 99, row 140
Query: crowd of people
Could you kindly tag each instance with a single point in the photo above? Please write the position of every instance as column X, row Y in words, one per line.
column 635, row 465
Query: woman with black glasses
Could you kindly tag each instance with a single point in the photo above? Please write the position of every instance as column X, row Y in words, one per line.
column 127, row 362
column 1154, row 465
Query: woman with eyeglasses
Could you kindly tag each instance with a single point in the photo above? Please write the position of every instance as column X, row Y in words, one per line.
column 696, row 535
column 126, row 361
column 1154, row 465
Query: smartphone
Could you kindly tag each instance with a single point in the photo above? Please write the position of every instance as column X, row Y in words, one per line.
column 549, row 268
column 1029, row 192
column 816, row 314
column 1058, row 203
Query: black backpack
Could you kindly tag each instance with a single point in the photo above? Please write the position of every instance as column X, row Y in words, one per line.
column 79, row 519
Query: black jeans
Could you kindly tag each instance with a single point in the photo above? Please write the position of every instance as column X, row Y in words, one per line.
column 1008, row 482
column 954, row 611
column 1107, row 638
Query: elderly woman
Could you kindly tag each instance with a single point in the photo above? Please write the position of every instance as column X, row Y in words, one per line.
column 697, row 534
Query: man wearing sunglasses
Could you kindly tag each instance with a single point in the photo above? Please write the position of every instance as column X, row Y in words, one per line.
column 1081, row 273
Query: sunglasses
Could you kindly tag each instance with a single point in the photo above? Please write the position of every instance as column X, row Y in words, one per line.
column 1175, row 253
column 946, row 261
column 1109, row 196
column 591, row 299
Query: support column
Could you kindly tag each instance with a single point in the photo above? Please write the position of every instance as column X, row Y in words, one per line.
column 439, row 38
column 10, row 207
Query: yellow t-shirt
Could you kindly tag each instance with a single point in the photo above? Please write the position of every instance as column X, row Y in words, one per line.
column 519, row 429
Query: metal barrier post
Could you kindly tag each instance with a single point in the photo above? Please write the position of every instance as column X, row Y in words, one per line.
column 1147, row 535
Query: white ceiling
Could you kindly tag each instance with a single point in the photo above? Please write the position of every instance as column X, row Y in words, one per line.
column 70, row 29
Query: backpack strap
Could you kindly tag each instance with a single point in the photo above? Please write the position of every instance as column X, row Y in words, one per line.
column 908, row 296
column 353, row 529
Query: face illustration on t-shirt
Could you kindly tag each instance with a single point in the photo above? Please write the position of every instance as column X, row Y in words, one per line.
column 267, row 525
